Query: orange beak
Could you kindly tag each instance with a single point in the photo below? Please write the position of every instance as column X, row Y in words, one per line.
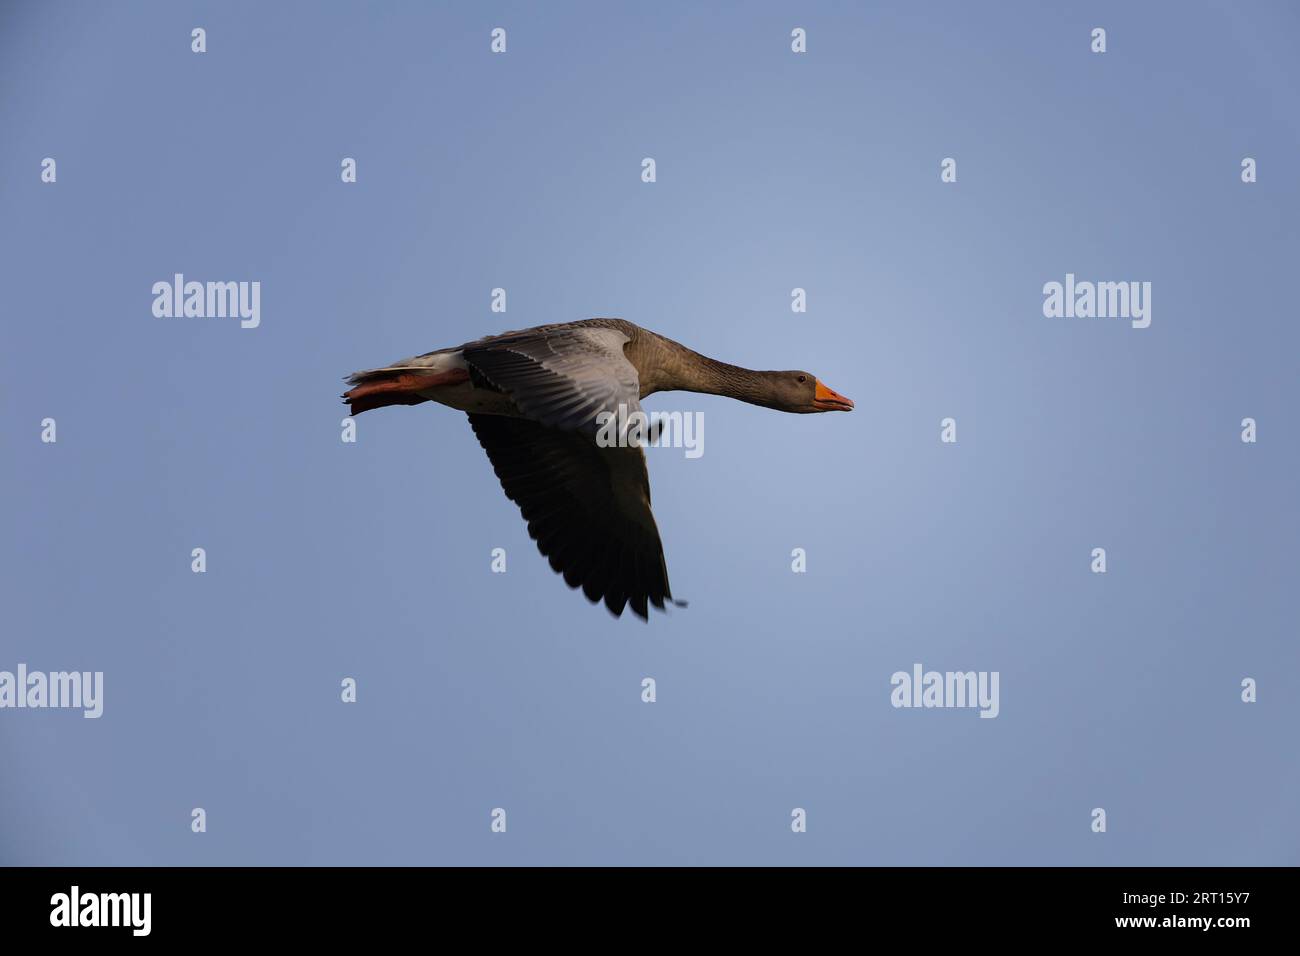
column 829, row 400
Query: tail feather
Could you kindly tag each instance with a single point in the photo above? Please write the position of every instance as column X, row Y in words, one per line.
column 398, row 385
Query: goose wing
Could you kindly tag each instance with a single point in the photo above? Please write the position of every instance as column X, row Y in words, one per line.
column 587, row 507
column 560, row 377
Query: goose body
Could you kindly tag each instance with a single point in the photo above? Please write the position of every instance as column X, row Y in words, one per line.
column 535, row 399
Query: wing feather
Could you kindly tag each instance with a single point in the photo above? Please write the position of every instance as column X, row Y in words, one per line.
column 562, row 378
column 587, row 507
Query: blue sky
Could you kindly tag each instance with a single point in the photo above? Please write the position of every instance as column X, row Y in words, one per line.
column 774, row 171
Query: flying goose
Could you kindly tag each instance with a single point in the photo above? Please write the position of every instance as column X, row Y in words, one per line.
column 535, row 398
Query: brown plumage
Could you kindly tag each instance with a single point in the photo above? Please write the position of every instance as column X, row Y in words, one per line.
column 533, row 399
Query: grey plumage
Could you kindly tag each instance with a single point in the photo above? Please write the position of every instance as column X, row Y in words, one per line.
column 535, row 399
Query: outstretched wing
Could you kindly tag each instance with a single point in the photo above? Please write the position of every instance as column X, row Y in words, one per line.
column 587, row 507
column 562, row 378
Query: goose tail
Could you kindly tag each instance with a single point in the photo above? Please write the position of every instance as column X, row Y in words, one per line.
column 396, row 385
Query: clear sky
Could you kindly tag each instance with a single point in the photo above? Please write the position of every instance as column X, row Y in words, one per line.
column 775, row 171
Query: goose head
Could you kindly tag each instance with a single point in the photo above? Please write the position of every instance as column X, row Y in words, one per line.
column 802, row 393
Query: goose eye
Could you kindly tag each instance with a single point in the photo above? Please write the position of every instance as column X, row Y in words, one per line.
column 803, row 378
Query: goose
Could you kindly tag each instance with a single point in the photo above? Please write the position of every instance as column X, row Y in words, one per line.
column 535, row 400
